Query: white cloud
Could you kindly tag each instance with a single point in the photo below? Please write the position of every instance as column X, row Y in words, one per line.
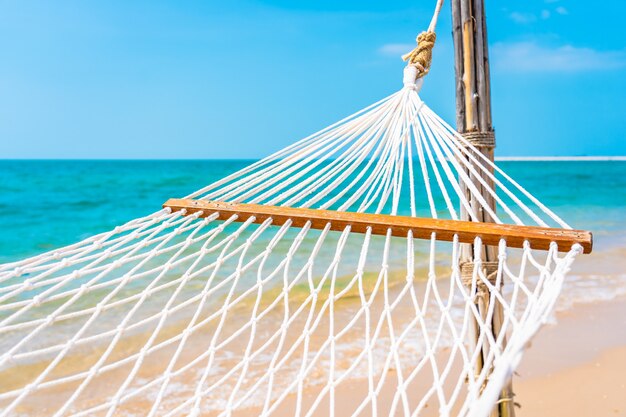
column 522, row 18
column 396, row 49
column 561, row 10
column 532, row 57
column 545, row 14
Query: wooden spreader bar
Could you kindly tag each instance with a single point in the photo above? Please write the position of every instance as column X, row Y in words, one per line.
column 490, row 233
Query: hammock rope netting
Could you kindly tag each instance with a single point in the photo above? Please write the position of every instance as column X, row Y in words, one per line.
column 193, row 314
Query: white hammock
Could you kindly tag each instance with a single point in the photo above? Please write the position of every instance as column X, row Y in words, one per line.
column 176, row 314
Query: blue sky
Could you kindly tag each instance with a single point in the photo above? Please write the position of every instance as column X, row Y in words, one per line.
column 240, row 79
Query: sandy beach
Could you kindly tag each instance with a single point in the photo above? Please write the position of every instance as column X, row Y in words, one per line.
column 574, row 368
column 312, row 209
column 577, row 367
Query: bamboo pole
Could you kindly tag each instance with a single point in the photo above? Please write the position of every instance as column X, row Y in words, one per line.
column 469, row 31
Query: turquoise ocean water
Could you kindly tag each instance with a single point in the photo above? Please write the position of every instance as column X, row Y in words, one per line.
column 49, row 204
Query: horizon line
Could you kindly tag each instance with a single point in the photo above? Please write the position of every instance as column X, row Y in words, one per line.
column 561, row 158
column 497, row 158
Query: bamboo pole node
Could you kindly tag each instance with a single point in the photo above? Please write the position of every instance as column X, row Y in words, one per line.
column 481, row 140
column 421, row 56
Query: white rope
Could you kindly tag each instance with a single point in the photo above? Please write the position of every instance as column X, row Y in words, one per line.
column 182, row 314
column 433, row 21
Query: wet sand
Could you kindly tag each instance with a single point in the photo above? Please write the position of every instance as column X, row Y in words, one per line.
column 577, row 367
column 574, row 368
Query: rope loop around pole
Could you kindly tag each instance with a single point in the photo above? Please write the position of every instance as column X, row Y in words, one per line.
column 490, row 271
column 481, row 139
column 421, row 56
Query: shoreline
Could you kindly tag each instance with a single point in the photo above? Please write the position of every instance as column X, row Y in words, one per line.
column 562, row 360
column 562, row 373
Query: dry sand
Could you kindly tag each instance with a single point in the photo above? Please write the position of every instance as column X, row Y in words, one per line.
column 577, row 368
column 574, row 368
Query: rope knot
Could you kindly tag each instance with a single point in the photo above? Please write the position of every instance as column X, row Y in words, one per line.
column 422, row 55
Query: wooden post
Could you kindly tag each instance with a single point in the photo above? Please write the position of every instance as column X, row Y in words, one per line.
column 473, row 104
